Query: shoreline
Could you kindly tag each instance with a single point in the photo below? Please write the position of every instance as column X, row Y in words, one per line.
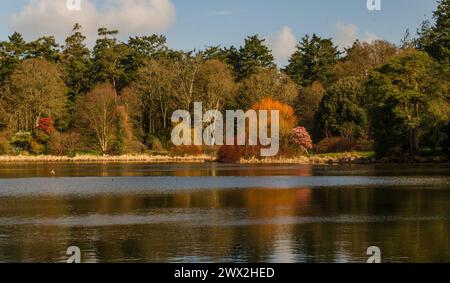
column 322, row 159
column 143, row 158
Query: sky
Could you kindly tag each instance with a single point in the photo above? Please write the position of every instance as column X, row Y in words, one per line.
column 196, row 24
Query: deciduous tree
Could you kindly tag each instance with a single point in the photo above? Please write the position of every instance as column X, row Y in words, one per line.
column 215, row 84
column 36, row 91
column 267, row 83
column 97, row 116
column 288, row 120
column 156, row 91
column 408, row 95
column 307, row 104
column 361, row 58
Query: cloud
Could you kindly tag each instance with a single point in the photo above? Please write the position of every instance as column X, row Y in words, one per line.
column 282, row 44
column 370, row 37
column 346, row 34
column 130, row 17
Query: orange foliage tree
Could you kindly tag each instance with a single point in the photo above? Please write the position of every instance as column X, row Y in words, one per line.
column 288, row 119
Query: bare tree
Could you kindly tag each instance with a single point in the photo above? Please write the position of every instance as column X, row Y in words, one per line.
column 185, row 78
column 268, row 83
column 97, row 116
column 215, row 84
column 155, row 87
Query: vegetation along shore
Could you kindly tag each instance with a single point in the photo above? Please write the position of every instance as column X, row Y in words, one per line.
column 114, row 101
column 340, row 158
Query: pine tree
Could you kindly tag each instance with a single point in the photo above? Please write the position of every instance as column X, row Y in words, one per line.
column 435, row 39
column 108, row 58
column 253, row 56
column 76, row 63
column 11, row 52
column 310, row 61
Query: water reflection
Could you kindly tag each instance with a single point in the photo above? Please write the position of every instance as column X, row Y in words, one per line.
column 257, row 224
column 30, row 170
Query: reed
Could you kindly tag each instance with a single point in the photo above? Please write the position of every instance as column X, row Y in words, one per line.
column 345, row 158
column 120, row 158
column 342, row 158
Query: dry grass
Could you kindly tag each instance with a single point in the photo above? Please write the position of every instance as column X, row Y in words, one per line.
column 121, row 158
column 344, row 158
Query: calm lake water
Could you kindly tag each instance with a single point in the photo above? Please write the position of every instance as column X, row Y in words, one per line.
column 224, row 213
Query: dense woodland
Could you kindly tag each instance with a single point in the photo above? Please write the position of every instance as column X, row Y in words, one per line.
column 118, row 97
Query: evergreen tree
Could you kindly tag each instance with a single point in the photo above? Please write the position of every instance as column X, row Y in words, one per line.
column 340, row 112
column 435, row 39
column 309, row 63
column 11, row 52
column 253, row 56
column 141, row 49
column 108, row 58
column 76, row 63
column 44, row 48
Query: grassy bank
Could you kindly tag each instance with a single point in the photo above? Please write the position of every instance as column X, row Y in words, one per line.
column 330, row 158
column 349, row 158
column 144, row 158
column 355, row 157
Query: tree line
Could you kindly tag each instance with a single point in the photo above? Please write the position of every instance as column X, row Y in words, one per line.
column 117, row 97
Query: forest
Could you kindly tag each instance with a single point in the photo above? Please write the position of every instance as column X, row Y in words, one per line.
column 118, row 97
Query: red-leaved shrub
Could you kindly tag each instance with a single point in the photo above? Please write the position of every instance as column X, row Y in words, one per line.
column 186, row 150
column 234, row 153
column 46, row 125
column 301, row 138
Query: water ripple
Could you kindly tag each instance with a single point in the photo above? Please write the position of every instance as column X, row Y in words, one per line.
column 144, row 185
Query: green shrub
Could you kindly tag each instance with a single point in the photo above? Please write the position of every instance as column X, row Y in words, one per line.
column 156, row 144
column 22, row 141
column 36, row 147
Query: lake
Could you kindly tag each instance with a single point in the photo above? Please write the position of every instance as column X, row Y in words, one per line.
column 224, row 213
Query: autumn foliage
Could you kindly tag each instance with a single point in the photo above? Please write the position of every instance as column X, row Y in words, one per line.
column 288, row 120
column 117, row 97
column 46, row 125
column 301, row 138
column 233, row 153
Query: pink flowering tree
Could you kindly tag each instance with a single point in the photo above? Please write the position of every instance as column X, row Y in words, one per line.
column 301, row 138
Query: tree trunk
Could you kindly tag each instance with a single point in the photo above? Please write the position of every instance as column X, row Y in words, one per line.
column 412, row 142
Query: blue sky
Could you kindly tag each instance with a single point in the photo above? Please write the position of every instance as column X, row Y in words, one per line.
column 191, row 24
column 303, row 16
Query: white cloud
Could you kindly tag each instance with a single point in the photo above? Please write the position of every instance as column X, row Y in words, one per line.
column 370, row 37
column 283, row 45
column 130, row 17
column 346, row 34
